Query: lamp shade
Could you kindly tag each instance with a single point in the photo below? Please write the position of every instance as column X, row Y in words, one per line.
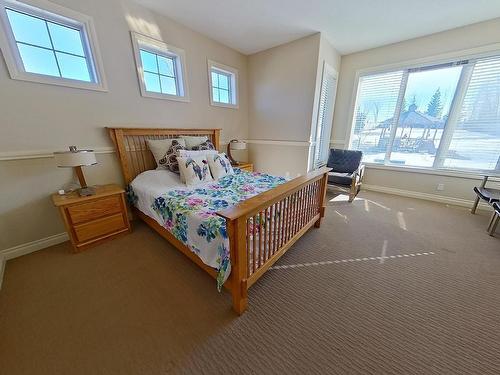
column 238, row 145
column 75, row 158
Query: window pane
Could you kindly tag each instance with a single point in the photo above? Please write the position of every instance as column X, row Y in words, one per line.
column 152, row 82
column 166, row 66
column 376, row 103
column 224, row 96
column 168, row 85
column 215, row 79
column 215, row 94
column 66, row 39
column 423, row 116
column 223, row 82
column 73, row 67
column 476, row 138
column 29, row 29
column 38, row 60
column 149, row 62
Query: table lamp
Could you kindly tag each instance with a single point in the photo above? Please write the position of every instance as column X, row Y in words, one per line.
column 235, row 144
column 76, row 159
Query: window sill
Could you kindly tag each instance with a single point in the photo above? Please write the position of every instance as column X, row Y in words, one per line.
column 57, row 81
column 149, row 94
column 437, row 172
column 223, row 105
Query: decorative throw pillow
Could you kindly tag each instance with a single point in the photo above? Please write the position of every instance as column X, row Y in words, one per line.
column 220, row 165
column 160, row 147
column 207, row 145
column 194, row 170
column 192, row 141
column 170, row 159
column 194, row 153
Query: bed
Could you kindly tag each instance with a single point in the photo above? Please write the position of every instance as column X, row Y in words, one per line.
column 254, row 228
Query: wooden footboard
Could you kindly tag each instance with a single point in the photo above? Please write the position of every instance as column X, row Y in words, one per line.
column 261, row 229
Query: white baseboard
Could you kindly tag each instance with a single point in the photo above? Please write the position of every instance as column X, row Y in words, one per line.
column 33, row 246
column 426, row 196
column 27, row 248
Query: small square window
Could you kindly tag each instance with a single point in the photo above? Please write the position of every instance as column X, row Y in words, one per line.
column 160, row 69
column 223, row 81
column 51, row 45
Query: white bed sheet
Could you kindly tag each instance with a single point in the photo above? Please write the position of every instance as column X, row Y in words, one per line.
column 151, row 184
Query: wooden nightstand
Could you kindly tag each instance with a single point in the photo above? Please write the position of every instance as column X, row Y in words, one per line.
column 93, row 219
column 244, row 167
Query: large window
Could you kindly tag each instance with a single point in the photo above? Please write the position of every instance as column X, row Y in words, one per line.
column 223, row 82
column 50, row 45
column 438, row 116
column 160, row 68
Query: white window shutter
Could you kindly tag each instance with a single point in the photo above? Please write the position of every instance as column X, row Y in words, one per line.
column 325, row 116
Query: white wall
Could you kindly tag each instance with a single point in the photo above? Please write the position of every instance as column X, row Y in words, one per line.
column 45, row 118
column 448, row 42
column 283, row 83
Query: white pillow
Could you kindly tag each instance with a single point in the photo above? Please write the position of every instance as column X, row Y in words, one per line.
column 191, row 153
column 197, row 152
column 159, row 147
column 193, row 141
column 194, row 170
column 220, row 165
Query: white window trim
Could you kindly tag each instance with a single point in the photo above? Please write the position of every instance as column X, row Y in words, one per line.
column 62, row 15
column 234, row 84
column 468, row 54
column 139, row 42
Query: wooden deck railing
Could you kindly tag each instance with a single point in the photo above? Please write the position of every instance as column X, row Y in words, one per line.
column 261, row 229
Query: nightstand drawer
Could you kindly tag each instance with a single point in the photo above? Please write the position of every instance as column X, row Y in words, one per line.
column 100, row 227
column 92, row 210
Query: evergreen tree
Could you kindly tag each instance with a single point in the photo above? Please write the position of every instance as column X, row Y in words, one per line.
column 435, row 106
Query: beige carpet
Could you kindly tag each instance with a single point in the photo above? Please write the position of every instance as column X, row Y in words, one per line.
column 137, row 306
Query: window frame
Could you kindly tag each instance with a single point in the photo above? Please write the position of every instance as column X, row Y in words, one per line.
column 469, row 54
column 157, row 47
column 65, row 17
column 232, row 73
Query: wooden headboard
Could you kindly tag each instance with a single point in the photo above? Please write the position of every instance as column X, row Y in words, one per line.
column 132, row 148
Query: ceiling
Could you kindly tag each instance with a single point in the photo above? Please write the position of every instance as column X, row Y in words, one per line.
column 250, row 26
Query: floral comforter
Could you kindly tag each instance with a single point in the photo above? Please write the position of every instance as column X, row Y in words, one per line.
column 190, row 215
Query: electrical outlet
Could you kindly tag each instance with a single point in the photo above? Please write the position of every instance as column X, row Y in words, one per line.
column 440, row 187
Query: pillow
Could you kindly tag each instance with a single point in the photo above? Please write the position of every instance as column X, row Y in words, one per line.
column 193, row 141
column 220, row 165
column 170, row 159
column 159, row 148
column 194, row 169
column 184, row 152
column 207, row 145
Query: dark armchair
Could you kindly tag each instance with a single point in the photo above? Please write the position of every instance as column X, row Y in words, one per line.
column 347, row 171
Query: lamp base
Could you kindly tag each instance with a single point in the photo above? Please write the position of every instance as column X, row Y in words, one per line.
column 86, row 191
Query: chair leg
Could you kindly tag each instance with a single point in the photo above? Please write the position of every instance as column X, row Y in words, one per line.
column 494, row 225
column 474, row 206
column 352, row 194
column 492, row 219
